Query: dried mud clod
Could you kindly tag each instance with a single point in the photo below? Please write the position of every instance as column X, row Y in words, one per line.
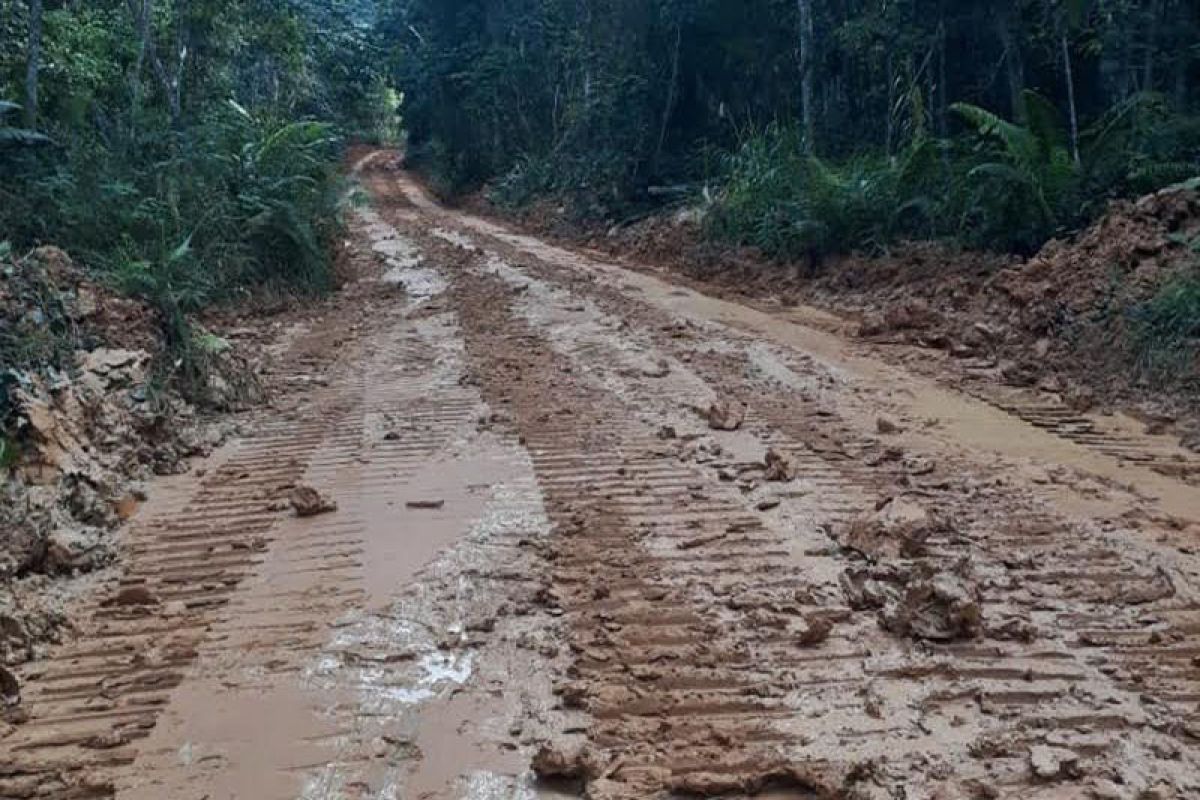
column 899, row 528
column 921, row 601
column 1054, row 763
column 308, row 502
column 779, row 467
column 726, row 414
column 565, row 760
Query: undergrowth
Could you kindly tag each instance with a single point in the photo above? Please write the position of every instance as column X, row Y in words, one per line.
column 1002, row 185
column 182, row 220
column 1166, row 332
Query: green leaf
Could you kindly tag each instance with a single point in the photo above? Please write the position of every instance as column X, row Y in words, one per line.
column 181, row 252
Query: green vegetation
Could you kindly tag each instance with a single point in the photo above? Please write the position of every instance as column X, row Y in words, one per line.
column 1166, row 328
column 998, row 124
column 184, row 152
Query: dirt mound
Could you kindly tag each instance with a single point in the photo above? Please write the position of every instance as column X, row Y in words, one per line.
column 80, row 424
column 1065, row 320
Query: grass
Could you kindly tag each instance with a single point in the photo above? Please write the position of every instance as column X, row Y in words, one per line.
column 1166, row 332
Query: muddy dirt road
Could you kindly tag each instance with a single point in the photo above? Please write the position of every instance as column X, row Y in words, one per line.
column 643, row 543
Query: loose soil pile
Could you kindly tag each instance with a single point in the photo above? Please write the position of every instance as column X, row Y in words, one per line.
column 83, row 419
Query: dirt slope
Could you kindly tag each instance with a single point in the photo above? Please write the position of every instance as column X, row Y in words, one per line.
column 598, row 535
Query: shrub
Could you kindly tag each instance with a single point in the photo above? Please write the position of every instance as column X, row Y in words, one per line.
column 1165, row 332
column 789, row 204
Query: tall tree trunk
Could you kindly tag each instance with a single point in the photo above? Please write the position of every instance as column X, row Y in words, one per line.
column 807, row 67
column 141, row 11
column 1069, row 72
column 1014, row 62
column 941, row 100
column 890, row 127
column 1151, row 47
column 33, row 64
column 672, row 93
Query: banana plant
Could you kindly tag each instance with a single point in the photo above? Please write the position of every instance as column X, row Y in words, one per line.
column 1034, row 159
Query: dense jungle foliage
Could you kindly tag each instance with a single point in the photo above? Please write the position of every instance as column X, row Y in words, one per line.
column 184, row 151
column 811, row 126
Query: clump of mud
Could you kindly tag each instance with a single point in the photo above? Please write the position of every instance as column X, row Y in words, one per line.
column 919, row 600
column 81, row 422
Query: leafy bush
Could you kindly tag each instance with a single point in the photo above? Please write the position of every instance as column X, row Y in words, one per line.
column 1010, row 187
column 789, row 204
column 1029, row 186
column 196, row 217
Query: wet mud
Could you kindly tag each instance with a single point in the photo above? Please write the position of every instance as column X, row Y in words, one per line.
column 598, row 536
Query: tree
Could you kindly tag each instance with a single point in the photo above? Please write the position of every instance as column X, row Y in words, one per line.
column 34, row 62
column 807, row 70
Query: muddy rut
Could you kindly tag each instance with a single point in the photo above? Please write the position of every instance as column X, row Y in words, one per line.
column 597, row 535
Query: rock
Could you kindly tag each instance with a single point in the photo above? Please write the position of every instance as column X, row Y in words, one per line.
column 425, row 505
column 886, row 427
column 1051, row 763
column 86, row 303
column 726, row 414
column 308, row 502
column 109, row 369
column 667, row 432
column 897, row 529
column 779, row 467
